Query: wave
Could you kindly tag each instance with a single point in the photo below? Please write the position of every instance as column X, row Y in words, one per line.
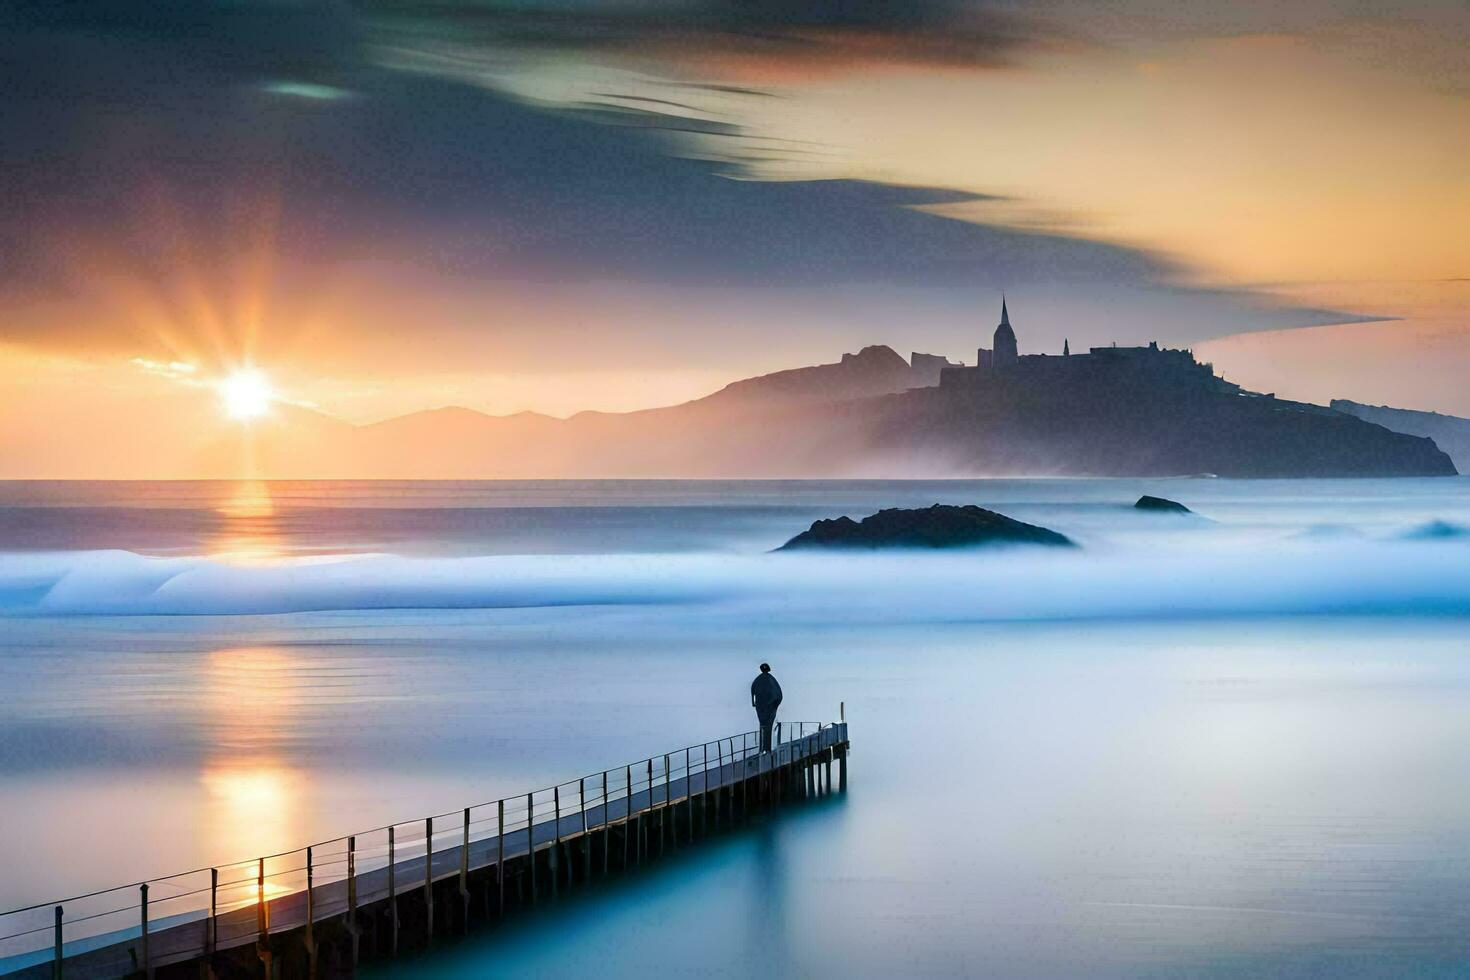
column 1290, row 578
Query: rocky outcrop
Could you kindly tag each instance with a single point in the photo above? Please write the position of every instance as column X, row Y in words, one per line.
column 924, row 369
column 1161, row 505
column 940, row 526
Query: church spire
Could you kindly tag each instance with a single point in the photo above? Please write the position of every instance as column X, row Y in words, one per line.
column 1004, row 345
column 1066, row 348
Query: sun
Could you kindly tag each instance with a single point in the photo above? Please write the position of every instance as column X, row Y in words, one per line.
column 247, row 394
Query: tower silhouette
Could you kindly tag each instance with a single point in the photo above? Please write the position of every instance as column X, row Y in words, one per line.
column 1004, row 344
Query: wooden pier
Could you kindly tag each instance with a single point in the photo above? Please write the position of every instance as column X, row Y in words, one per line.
column 321, row 910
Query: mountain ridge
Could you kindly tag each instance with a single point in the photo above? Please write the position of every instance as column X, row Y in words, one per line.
column 869, row 414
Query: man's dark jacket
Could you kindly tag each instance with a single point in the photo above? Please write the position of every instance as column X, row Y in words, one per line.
column 765, row 693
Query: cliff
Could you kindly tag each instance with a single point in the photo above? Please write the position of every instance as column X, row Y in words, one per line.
column 1100, row 428
column 1449, row 432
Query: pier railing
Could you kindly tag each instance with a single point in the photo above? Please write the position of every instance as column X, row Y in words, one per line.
column 195, row 913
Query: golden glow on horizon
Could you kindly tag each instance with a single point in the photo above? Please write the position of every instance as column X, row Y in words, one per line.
column 247, row 394
column 249, row 531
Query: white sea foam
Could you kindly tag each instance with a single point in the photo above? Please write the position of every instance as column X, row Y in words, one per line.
column 1298, row 577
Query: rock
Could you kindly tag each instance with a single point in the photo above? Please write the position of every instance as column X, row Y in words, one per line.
column 1161, row 505
column 940, row 526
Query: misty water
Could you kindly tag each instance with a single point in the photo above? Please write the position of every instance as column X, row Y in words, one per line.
column 1232, row 743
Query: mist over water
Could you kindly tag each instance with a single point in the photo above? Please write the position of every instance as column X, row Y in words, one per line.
column 1221, row 744
column 1417, row 575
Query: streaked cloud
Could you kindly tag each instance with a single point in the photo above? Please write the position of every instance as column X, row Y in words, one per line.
column 749, row 39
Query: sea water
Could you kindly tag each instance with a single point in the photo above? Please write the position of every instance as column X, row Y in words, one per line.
column 1222, row 744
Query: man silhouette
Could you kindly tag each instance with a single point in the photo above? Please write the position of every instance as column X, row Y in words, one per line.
column 765, row 695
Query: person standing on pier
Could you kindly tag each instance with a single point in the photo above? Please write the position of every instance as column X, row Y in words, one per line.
column 765, row 695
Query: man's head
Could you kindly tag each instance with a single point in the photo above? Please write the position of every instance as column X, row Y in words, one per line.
column 765, row 668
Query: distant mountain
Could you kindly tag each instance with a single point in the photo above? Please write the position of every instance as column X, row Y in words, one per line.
column 871, row 414
column 1449, row 432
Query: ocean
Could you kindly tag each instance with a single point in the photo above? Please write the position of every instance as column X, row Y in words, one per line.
column 1230, row 743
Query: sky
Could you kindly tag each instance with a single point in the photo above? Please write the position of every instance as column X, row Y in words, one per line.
column 554, row 205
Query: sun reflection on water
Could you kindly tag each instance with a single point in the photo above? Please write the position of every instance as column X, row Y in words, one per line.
column 254, row 795
column 250, row 530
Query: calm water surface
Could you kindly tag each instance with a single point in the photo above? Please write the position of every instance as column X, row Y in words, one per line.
column 1232, row 745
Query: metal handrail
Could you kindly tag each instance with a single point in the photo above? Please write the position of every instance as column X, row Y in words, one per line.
column 627, row 792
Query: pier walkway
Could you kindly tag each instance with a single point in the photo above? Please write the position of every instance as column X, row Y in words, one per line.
column 320, row 908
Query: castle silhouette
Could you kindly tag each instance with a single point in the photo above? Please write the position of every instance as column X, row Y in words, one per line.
column 1137, row 368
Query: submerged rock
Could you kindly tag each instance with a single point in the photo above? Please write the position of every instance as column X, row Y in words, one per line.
column 1161, row 505
column 940, row 526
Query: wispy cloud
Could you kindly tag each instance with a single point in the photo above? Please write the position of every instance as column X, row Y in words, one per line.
column 754, row 39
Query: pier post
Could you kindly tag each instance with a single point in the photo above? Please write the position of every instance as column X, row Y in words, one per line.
column 778, row 776
column 262, row 910
column 262, row 922
column 606, row 840
column 705, row 796
column 586, row 838
column 841, row 750
column 645, row 843
column 143, row 919
column 352, row 895
column 720, row 787
column 531, row 841
column 392, row 895
column 553, row 858
column 428, row 879
column 464, row 873
column 762, row 786
column 500, row 857
column 211, row 929
column 627, row 811
column 663, row 815
column 310, row 937
column 56, row 959
column 744, row 776
column 689, row 793
column 773, row 784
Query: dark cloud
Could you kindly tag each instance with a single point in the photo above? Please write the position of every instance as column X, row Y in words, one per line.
column 464, row 177
column 146, row 148
column 751, row 38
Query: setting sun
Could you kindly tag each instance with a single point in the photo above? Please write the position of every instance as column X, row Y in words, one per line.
column 246, row 394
